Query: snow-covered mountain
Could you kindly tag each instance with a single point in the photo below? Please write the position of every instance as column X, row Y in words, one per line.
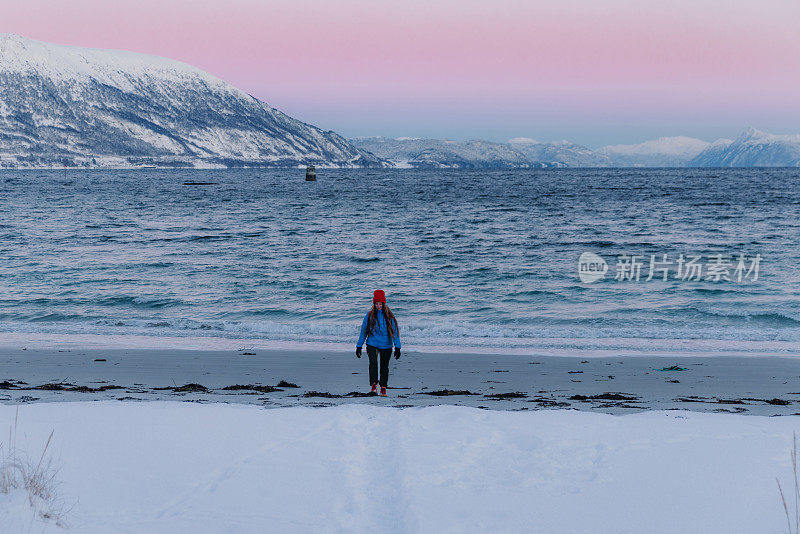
column 62, row 105
column 712, row 154
column 662, row 152
column 752, row 148
column 559, row 153
column 441, row 154
column 476, row 154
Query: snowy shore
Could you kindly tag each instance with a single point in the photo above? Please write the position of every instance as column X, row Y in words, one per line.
column 464, row 442
column 182, row 467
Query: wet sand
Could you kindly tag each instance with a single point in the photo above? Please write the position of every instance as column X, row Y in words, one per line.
column 751, row 385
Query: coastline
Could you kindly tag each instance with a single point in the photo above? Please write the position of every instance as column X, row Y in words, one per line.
column 325, row 376
column 560, row 347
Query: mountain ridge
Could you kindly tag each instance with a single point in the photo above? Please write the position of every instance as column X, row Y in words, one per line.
column 752, row 148
column 70, row 106
column 63, row 105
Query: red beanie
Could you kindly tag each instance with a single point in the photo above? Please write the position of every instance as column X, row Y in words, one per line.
column 379, row 296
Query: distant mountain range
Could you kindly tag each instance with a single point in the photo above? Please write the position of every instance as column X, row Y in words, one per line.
column 751, row 149
column 69, row 106
column 407, row 152
column 62, row 105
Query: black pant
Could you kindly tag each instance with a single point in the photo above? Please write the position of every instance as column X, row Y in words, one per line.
column 386, row 354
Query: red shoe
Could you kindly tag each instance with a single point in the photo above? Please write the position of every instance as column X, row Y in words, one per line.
column 375, row 388
column 383, row 392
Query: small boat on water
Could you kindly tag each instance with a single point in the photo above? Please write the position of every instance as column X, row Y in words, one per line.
column 311, row 174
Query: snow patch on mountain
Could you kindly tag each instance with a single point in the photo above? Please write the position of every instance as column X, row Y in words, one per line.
column 120, row 69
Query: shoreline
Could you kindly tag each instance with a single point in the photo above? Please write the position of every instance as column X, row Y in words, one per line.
column 551, row 347
column 766, row 385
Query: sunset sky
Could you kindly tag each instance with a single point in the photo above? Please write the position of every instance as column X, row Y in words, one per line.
column 595, row 72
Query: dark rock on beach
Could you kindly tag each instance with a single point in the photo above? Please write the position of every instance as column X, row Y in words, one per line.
column 604, row 396
column 87, row 389
column 506, row 396
column 251, row 387
column 778, row 402
column 447, row 392
column 672, row 368
column 191, row 388
column 53, row 387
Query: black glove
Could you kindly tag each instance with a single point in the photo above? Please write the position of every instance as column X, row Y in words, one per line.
column 397, row 353
column 358, row 352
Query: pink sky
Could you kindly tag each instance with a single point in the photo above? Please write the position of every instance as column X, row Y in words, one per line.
column 588, row 70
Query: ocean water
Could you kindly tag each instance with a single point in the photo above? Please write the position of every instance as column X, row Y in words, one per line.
column 483, row 259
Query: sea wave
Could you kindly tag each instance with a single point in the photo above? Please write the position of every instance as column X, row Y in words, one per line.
column 467, row 258
column 776, row 319
column 416, row 334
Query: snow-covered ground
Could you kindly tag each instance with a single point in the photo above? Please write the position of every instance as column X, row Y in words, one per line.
column 183, row 467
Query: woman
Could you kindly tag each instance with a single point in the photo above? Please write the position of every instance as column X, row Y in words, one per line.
column 379, row 329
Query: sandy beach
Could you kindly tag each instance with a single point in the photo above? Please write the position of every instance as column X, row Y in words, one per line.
column 617, row 385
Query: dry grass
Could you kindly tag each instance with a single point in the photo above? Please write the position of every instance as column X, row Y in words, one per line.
column 793, row 529
column 38, row 479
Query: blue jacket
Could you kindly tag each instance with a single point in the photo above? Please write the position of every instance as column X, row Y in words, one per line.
column 379, row 337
